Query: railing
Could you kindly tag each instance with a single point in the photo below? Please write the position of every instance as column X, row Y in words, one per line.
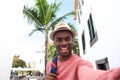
column 14, row 77
column 26, row 77
column 35, row 77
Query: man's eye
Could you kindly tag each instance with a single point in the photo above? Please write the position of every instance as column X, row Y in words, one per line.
column 59, row 40
column 68, row 38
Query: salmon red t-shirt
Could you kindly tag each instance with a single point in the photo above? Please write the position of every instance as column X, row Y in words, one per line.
column 76, row 68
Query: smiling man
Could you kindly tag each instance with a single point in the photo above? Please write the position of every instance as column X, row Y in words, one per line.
column 68, row 66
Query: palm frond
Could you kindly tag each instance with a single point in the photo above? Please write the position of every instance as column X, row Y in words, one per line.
column 50, row 12
column 52, row 25
column 34, row 30
column 41, row 6
column 31, row 14
column 73, row 28
column 55, row 8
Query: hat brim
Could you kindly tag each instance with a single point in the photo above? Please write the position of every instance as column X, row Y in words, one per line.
column 53, row 33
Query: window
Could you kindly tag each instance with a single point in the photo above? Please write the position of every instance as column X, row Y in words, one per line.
column 83, row 42
column 82, row 2
column 92, row 32
column 79, row 18
column 80, row 5
column 80, row 8
column 102, row 64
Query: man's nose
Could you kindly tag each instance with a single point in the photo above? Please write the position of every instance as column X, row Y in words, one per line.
column 64, row 42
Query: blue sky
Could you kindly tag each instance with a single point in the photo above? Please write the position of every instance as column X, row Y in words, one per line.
column 67, row 6
column 14, row 32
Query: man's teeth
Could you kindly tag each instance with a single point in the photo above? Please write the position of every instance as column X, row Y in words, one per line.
column 63, row 48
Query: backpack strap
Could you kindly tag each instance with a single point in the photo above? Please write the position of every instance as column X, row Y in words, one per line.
column 54, row 65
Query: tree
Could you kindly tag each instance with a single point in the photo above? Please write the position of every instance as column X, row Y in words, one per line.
column 44, row 18
column 17, row 62
column 51, row 51
column 76, row 44
column 76, row 47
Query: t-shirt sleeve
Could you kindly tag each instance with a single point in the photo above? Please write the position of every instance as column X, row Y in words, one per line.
column 48, row 66
column 87, row 72
column 112, row 74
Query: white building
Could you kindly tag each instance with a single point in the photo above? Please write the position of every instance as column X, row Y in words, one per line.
column 98, row 31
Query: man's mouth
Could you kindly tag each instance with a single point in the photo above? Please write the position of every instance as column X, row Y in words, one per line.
column 64, row 50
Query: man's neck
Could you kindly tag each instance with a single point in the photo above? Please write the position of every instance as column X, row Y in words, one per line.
column 62, row 59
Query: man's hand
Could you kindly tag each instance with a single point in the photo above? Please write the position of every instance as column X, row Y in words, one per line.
column 113, row 74
column 50, row 76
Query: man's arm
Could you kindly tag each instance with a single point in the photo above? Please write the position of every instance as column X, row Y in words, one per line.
column 87, row 72
column 113, row 74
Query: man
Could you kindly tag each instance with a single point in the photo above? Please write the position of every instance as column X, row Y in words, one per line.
column 70, row 66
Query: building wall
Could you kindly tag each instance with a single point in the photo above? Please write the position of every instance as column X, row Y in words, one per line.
column 105, row 16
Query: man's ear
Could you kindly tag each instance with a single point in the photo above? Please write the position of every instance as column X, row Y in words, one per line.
column 73, row 39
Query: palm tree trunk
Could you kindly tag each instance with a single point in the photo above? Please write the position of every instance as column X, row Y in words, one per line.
column 46, row 46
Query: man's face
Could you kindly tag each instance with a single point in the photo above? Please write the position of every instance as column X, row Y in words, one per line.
column 63, row 41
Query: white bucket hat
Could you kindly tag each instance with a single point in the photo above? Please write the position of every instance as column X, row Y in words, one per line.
column 61, row 26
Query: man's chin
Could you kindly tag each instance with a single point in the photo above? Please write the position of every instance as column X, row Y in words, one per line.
column 64, row 54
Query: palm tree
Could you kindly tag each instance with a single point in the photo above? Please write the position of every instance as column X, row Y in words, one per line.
column 44, row 18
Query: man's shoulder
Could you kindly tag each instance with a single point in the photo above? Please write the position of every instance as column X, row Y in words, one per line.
column 76, row 57
column 82, row 62
column 49, row 61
